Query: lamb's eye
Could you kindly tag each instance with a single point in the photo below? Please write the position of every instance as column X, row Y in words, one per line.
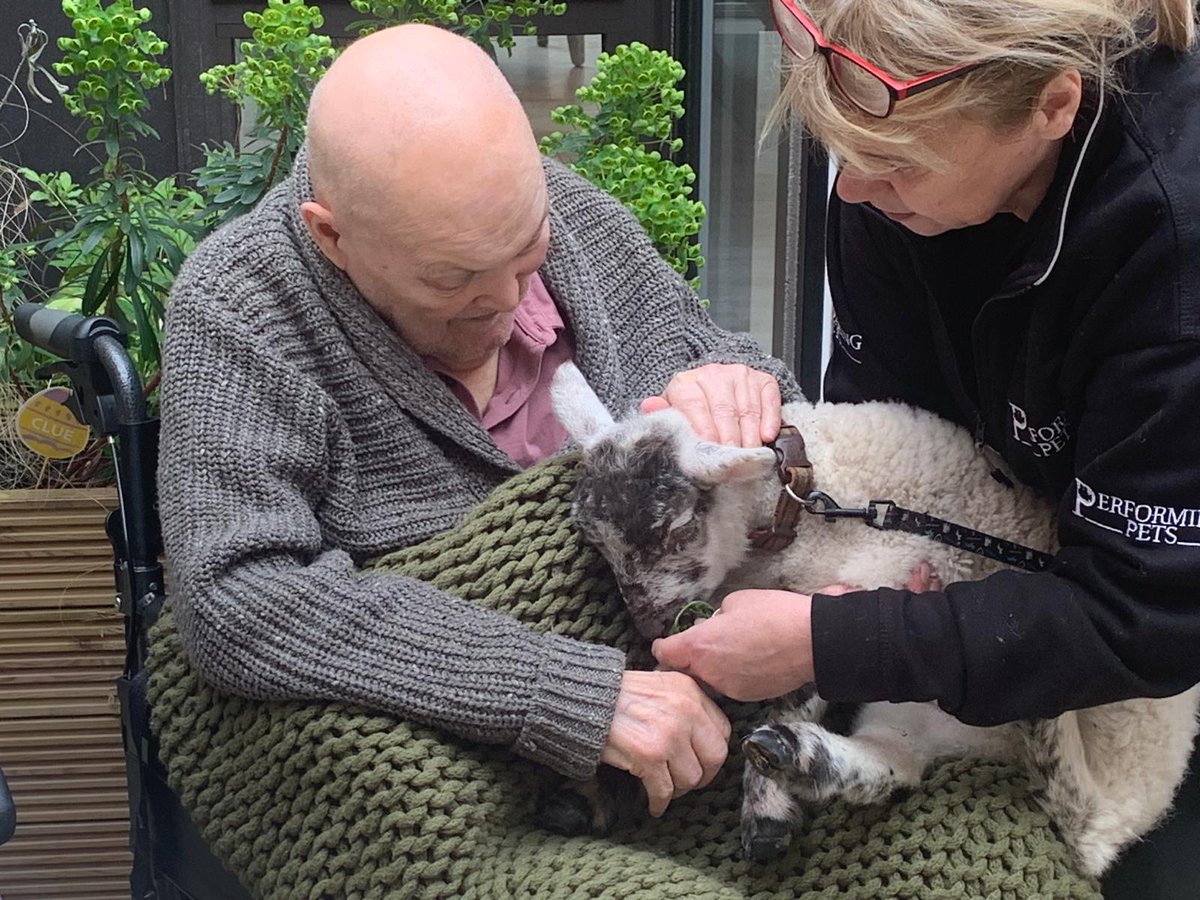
column 681, row 532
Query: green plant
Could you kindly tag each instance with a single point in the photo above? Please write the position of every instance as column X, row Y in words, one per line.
column 110, row 245
column 691, row 613
column 115, row 59
column 279, row 68
column 625, row 147
column 480, row 20
column 17, row 356
column 115, row 260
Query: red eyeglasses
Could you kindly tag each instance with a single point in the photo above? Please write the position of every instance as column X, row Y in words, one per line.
column 866, row 86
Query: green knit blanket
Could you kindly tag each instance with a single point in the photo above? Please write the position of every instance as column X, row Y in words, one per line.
column 331, row 801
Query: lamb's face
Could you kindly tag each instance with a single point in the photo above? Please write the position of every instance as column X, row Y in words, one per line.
column 661, row 505
column 649, row 520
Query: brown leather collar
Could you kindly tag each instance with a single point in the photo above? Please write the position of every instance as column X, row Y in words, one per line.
column 796, row 476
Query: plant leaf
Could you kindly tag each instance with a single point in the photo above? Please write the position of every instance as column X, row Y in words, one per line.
column 147, row 340
column 136, row 254
column 91, row 291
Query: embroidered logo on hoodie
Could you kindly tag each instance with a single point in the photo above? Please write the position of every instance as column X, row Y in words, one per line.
column 1042, row 440
column 1143, row 523
column 850, row 343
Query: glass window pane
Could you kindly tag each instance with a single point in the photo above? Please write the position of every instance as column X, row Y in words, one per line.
column 742, row 177
column 546, row 71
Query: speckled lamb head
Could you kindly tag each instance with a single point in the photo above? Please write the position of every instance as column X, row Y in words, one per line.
column 653, row 498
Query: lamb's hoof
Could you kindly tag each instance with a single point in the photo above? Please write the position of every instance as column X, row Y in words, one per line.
column 565, row 811
column 591, row 806
column 765, row 839
column 766, row 751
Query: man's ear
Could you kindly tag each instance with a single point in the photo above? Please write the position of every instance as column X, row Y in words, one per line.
column 324, row 231
column 1058, row 105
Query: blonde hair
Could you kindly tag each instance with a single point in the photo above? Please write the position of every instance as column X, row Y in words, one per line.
column 1028, row 42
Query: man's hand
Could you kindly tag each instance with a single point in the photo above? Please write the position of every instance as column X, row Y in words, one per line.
column 730, row 404
column 668, row 733
column 757, row 646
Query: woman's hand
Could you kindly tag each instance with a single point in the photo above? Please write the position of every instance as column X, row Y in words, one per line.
column 757, row 646
column 726, row 403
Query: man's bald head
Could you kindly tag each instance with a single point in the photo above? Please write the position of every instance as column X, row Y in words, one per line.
column 413, row 118
column 430, row 194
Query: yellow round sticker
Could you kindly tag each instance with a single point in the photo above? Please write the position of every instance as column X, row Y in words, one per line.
column 48, row 428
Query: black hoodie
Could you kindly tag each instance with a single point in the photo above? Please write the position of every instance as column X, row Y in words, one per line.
column 1071, row 345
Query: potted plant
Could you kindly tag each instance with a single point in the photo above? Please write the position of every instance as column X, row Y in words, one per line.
column 624, row 145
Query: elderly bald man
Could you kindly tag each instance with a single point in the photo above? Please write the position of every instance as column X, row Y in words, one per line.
column 357, row 362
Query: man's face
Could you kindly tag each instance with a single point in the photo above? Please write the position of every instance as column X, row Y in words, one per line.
column 987, row 174
column 449, row 278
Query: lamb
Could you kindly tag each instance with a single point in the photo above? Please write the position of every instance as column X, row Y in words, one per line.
column 671, row 513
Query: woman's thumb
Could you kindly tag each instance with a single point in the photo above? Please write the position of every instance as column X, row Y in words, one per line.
column 673, row 652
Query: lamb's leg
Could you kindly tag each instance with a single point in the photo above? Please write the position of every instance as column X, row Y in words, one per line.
column 593, row 806
column 817, row 764
column 892, row 746
column 769, row 813
column 802, row 705
column 1110, row 772
column 1067, row 790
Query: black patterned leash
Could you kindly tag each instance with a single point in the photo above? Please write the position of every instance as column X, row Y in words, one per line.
column 888, row 516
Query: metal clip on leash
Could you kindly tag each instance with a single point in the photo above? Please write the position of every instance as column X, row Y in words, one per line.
column 821, row 504
column 886, row 515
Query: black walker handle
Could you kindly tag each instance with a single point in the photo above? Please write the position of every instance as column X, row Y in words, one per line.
column 96, row 362
column 67, row 335
column 51, row 329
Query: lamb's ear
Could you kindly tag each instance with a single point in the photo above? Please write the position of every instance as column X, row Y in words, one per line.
column 712, row 463
column 577, row 406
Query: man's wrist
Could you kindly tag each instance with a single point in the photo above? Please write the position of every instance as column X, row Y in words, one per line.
column 572, row 707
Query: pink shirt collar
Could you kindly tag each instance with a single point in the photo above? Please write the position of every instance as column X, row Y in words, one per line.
column 519, row 416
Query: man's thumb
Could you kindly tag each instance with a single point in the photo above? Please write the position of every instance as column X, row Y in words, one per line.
column 656, row 403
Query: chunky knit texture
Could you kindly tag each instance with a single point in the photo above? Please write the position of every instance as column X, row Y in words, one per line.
column 301, row 436
column 331, row 801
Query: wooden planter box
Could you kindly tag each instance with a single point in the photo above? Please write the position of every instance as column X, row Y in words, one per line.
column 61, row 650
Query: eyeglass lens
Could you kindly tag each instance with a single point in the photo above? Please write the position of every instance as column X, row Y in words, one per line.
column 861, row 86
column 794, row 34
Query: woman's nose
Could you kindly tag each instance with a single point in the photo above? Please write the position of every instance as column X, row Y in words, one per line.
column 854, row 189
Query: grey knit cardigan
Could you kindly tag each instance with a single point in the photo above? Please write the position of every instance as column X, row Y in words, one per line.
column 301, row 437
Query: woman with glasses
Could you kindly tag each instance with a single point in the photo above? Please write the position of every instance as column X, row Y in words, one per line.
column 1013, row 243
